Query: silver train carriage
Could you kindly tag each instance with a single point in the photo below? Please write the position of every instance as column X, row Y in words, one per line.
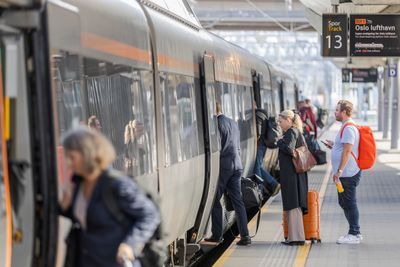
column 130, row 65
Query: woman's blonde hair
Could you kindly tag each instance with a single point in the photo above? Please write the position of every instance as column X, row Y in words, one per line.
column 295, row 118
column 97, row 151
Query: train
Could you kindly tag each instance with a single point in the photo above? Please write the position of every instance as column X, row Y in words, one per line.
column 148, row 75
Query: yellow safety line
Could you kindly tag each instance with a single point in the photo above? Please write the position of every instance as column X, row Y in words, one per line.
column 303, row 251
column 221, row 261
column 301, row 256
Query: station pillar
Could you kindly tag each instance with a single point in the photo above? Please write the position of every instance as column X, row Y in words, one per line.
column 381, row 89
column 386, row 103
column 394, row 143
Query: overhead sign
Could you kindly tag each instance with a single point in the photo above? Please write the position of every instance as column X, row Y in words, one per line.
column 375, row 35
column 334, row 35
column 360, row 75
column 392, row 70
column 346, row 74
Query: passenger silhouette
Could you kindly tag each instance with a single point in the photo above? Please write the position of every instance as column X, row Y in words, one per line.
column 229, row 180
column 94, row 123
column 98, row 237
column 294, row 186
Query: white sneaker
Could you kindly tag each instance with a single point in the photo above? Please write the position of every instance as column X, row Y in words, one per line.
column 360, row 237
column 348, row 239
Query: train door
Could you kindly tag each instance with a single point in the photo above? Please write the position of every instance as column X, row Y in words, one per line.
column 211, row 142
column 281, row 94
column 21, row 46
column 257, row 84
column 5, row 199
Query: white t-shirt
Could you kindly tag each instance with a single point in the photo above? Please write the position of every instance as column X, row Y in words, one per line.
column 350, row 136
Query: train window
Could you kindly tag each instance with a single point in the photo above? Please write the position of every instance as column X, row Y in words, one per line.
column 277, row 100
column 267, row 101
column 289, row 94
column 199, row 115
column 212, row 119
column 237, row 104
column 247, row 129
column 112, row 98
column 179, row 118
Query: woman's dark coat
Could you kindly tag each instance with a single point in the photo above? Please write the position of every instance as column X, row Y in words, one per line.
column 294, row 186
column 103, row 234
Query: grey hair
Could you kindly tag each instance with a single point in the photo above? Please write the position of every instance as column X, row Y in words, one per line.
column 97, row 151
column 295, row 118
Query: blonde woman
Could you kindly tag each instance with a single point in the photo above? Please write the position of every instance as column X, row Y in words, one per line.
column 102, row 239
column 294, row 186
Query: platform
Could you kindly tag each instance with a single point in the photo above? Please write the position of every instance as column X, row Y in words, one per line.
column 378, row 199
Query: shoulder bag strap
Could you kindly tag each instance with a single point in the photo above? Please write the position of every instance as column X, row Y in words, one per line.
column 258, row 221
column 341, row 135
column 110, row 201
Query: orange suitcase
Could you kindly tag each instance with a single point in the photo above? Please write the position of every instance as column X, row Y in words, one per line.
column 311, row 220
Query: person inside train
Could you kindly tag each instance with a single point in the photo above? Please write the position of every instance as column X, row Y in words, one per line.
column 309, row 121
column 134, row 155
column 294, row 186
column 102, row 238
column 311, row 105
column 94, row 123
column 229, row 180
column 270, row 182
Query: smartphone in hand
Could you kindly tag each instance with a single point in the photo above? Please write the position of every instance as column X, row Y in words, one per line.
column 326, row 144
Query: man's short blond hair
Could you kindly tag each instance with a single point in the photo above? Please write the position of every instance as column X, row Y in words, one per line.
column 97, row 151
column 346, row 106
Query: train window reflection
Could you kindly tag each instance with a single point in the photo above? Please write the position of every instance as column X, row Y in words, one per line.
column 112, row 98
column 237, row 104
column 267, row 101
column 179, row 118
column 212, row 119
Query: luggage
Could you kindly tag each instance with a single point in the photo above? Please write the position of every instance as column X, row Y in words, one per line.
column 273, row 133
column 311, row 220
column 303, row 160
column 251, row 192
column 318, row 153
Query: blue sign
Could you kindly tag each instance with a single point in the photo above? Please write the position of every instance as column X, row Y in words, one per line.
column 392, row 71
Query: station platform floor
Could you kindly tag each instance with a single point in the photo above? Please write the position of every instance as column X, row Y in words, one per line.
column 379, row 204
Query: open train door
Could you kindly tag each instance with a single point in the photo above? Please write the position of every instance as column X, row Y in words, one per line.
column 212, row 146
column 5, row 199
column 32, row 187
column 257, row 84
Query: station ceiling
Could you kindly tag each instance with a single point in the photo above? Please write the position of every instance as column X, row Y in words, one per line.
column 286, row 15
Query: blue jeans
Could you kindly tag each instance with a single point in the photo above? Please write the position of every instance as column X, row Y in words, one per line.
column 259, row 170
column 348, row 202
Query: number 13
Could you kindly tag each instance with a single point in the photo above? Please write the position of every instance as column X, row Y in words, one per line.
column 338, row 41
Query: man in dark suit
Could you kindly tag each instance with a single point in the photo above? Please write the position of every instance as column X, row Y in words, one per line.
column 229, row 180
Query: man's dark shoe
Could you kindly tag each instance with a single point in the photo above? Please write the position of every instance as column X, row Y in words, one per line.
column 244, row 241
column 214, row 239
column 276, row 190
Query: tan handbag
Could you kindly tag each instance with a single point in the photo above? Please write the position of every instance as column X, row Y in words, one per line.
column 303, row 160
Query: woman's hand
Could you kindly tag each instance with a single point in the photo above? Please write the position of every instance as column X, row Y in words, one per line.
column 125, row 252
column 66, row 199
